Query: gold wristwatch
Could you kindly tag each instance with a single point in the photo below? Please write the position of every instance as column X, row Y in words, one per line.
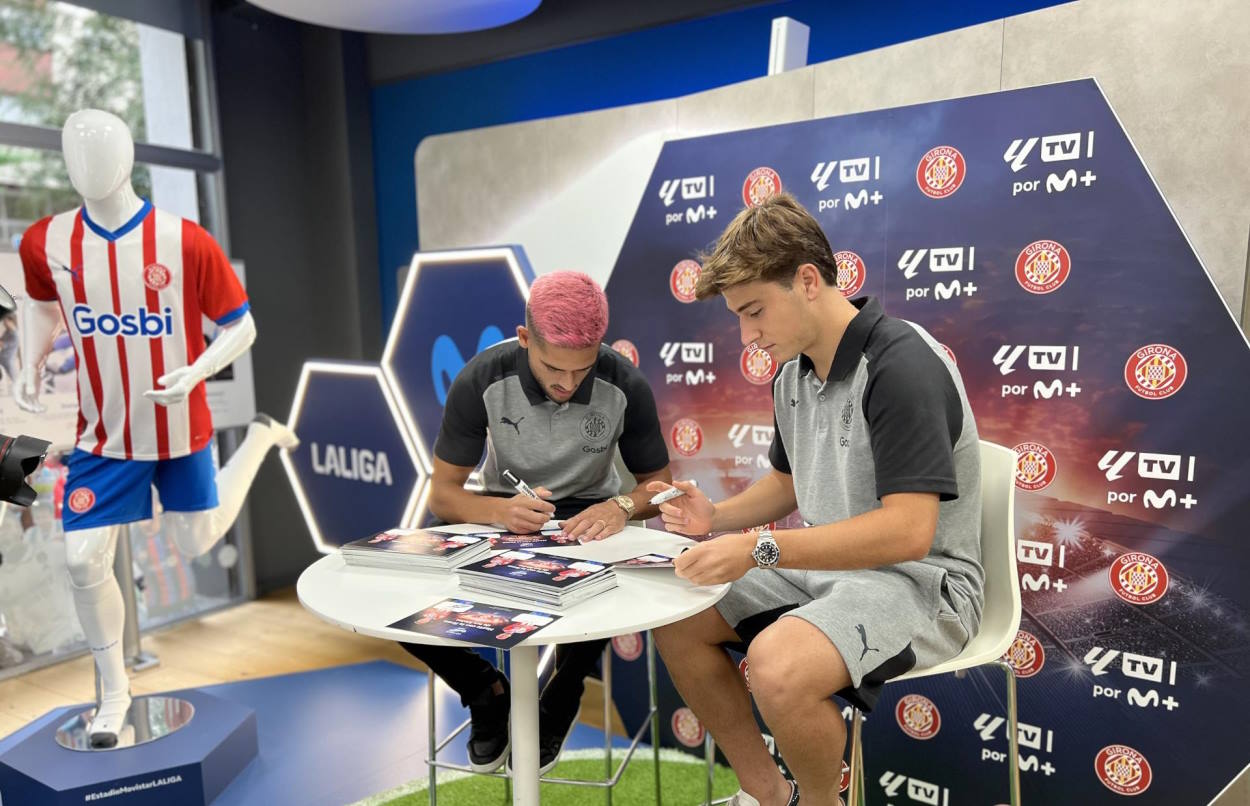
column 626, row 503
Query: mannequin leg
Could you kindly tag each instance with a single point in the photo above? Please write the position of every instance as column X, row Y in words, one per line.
column 98, row 602
column 195, row 532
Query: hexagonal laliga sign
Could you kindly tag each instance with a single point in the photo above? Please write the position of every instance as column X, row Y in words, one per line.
column 454, row 305
column 357, row 470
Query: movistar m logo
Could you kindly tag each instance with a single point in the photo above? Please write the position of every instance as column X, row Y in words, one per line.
column 446, row 360
column 140, row 323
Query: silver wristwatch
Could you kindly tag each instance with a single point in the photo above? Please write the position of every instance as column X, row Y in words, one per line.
column 766, row 553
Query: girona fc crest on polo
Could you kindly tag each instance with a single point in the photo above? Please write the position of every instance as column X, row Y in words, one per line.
column 1138, row 578
column 157, row 276
column 1123, row 770
column 628, row 647
column 757, row 365
column 1156, row 371
column 81, row 500
column 687, row 728
column 681, row 281
column 627, row 349
column 1025, row 655
column 941, row 171
column 918, row 716
column 687, row 436
column 760, row 185
column 1043, row 266
column 1035, row 466
column 851, row 272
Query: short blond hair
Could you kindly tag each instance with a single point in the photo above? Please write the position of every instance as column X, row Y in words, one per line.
column 768, row 242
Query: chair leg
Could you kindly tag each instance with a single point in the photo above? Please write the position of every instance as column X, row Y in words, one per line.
column 709, row 754
column 432, row 739
column 652, row 699
column 607, row 718
column 1013, row 734
column 855, row 791
column 507, row 782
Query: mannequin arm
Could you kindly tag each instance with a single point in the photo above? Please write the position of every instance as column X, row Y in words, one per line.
column 39, row 323
column 232, row 341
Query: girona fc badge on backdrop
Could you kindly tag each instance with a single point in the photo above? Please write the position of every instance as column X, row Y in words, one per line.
column 687, row 436
column 851, row 272
column 682, row 279
column 627, row 349
column 628, row 647
column 757, row 365
column 1025, row 655
column 1156, row 371
column 687, row 728
column 1035, row 466
column 1043, row 266
column 1138, row 578
column 1122, row 769
column 918, row 716
column 941, row 171
column 760, row 185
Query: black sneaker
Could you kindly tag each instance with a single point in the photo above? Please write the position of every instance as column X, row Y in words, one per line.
column 489, row 739
column 551, row 741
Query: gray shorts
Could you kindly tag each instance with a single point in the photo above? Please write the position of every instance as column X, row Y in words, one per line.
column 883, row 621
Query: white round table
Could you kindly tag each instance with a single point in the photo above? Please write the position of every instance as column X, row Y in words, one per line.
column 366, row 600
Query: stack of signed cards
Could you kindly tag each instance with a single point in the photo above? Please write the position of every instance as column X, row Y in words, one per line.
column 546, row 580
column 416, row 549
column 488, row 625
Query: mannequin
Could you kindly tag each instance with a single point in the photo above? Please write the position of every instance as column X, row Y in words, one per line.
column 132, row 283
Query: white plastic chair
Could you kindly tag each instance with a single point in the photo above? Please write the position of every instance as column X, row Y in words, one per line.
column 1000, row 617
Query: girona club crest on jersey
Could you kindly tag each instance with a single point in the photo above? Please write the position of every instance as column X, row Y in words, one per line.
column 157, row 276
column 628, row 349
column 81, row 500
column 1025, row 655
column 851, row 272
column 757, row 365
column 761, row 184
column 1138, row 578
column 918, row 716
column 628, row 647
column 1035, row 466
column 686, row 436
column 1156, row 371
column 1123, row 770
column 1043, row 266
column 682, row 280
column 687, row 728
column 941, row 171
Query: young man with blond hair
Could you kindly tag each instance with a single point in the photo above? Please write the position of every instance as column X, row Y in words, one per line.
column 876, row 447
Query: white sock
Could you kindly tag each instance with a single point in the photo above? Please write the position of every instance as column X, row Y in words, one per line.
column 102, row 615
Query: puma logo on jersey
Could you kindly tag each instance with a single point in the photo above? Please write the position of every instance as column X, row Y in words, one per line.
column 516, row 425
column 76, row 272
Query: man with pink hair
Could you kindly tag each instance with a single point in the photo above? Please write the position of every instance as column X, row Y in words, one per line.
column 552, row 406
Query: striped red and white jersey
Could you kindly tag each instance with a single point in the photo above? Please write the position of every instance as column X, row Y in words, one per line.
column 133, row 299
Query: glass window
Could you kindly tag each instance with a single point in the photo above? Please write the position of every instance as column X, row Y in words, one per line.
column 56, row 58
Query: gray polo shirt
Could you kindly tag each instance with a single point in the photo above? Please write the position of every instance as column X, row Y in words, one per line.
column 892, row 417
column 496, row 403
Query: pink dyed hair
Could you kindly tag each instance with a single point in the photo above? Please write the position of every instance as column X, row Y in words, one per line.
column 567, row 309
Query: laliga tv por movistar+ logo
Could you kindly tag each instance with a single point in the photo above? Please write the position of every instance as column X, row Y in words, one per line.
column 454, row 304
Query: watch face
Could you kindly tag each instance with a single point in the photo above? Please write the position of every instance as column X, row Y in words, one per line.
column 767, row 553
